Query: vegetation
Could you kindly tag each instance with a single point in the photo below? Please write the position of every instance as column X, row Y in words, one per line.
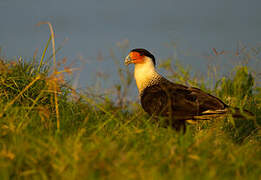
column 50, row 131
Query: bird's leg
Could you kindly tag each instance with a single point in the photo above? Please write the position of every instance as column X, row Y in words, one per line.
column 179, row 125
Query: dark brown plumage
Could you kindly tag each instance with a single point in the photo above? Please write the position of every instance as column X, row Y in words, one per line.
column 176, row 102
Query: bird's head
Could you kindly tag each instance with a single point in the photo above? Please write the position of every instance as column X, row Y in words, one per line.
column 144, row 72
column 139, row 56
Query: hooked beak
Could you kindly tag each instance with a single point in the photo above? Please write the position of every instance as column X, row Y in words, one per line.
column 128, row 60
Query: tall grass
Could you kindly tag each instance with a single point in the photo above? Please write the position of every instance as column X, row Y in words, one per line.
column 99, row 138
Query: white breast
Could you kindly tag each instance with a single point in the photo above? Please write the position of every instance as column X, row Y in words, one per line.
column 145, row 74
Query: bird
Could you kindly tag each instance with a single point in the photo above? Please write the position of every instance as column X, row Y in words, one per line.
column 177, row 103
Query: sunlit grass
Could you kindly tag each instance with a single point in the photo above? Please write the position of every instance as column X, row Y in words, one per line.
column 100, row 138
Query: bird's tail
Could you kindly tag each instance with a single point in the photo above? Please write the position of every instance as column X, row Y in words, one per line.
column 213, row 114
column 240, row 113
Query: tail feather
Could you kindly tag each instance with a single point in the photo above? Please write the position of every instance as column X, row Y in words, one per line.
column 213, row 114
column 240, row 113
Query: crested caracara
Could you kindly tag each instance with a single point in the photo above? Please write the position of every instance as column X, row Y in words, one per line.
column 176, row 102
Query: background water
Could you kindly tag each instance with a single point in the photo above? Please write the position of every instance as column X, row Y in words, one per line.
column 93, row 27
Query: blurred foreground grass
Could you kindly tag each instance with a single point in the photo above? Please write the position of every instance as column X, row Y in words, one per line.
column 98, row 138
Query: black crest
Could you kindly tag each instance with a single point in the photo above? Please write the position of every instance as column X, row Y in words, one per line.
column 144, row 52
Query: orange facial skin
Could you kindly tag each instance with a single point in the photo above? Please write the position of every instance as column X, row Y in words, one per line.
column 136, row 57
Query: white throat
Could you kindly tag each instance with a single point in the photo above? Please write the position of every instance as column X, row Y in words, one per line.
column 145, row 74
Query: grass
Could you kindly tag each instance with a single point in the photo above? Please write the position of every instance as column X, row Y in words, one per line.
column 99, row 138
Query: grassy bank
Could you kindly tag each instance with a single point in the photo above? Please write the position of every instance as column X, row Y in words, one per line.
column 49, row 131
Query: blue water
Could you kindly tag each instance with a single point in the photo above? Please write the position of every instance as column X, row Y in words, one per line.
column 94, row 27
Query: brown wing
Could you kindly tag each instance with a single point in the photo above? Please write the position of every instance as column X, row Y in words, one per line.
column 178, row 101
